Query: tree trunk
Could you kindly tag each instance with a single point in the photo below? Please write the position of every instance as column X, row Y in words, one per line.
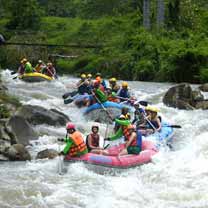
column 146, row 14
column 160, row 13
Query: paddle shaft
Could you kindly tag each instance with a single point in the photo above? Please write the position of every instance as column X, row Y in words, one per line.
column 73, row 92
column 109, row 115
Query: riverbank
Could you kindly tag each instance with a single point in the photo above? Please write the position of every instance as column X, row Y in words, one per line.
column 17, row 126
column 120, row 48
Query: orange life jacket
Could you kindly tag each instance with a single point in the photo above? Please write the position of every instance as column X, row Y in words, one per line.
column 113, row 99
column 79, row 144
column 127, row 135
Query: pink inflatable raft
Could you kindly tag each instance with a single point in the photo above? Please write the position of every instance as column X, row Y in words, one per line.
column 148, row 150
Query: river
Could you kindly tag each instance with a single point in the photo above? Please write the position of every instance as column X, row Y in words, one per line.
column 176, row 178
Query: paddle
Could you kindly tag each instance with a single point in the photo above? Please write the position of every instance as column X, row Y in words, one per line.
column 73, row 93
column 13, row 72
column 142, row 102
column 68, row 100
column 173, row 126
column 60, row 159
column 15, row 77
column 103, row 107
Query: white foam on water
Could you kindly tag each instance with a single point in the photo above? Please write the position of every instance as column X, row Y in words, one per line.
column 176, row 178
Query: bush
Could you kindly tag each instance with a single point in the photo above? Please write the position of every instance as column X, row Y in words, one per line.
column 204, row 75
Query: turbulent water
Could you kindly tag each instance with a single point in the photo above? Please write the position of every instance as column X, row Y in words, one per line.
column 176, row 178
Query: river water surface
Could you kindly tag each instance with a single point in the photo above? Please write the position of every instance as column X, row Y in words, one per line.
column 176, row 178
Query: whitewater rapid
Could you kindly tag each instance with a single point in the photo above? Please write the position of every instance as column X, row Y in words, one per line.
column 176, row 178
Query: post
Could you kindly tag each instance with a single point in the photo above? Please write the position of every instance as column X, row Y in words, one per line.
column 146, row 14
column 160, row 13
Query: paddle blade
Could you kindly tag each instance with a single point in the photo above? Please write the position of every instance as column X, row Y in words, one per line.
column 66, row 95
column 69, row 100
column 13, row 72
column 176, row 126
column 144, row 103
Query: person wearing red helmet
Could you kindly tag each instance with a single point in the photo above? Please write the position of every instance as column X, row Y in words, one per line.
column 102, row 81
column 75, row 145
column 98, row 94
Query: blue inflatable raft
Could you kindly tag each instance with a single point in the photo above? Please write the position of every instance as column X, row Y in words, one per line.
column 164, row 136
column 107, row 104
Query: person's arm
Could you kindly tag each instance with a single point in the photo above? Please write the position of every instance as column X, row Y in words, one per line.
column 133, row 135
column 123, row 122
column 159, row 124
column 117, row 135
column 69, row 143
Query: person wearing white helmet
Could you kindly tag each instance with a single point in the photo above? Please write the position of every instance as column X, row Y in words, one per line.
column 75, row 145
column 40, row 66
column 93, row 140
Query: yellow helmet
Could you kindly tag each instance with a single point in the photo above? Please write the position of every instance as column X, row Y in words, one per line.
column 89, row 75
column 124, row 84
column 113, row 79
column 152, row 108
column 24, row 60
column 83, row 76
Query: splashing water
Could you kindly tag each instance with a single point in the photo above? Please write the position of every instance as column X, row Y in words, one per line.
column 175, row 179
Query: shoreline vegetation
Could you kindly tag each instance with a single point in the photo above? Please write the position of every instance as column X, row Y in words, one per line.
column 174, row 50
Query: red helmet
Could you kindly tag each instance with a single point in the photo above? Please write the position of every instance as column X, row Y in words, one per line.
column 70, row 126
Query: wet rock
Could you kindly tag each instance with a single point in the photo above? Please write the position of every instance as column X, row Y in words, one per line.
column 5, row 140
column 20, row 130
column 183, row 97
column 47, row 153
column 179, row 96
column 101, row 116
column 2, row 87
column 202, row 104
column 197, row 95
column 18, row 152
column 38, row 115
column 204, row 87
column 3, row 158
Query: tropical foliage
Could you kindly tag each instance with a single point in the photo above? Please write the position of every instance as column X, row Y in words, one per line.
column 173, row 47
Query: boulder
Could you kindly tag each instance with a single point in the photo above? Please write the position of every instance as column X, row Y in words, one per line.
column 183, row 97
column 101, row 116
column 179, row 96
column 47, row 153
column 197, row 96
column 21, row 130
column 38, row 115
column 3, row 158
column 17, row 152
column 204, row 87
column 5, row 140
column 202, row 104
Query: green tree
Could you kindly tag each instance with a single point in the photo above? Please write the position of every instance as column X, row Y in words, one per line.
column 25, row 14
